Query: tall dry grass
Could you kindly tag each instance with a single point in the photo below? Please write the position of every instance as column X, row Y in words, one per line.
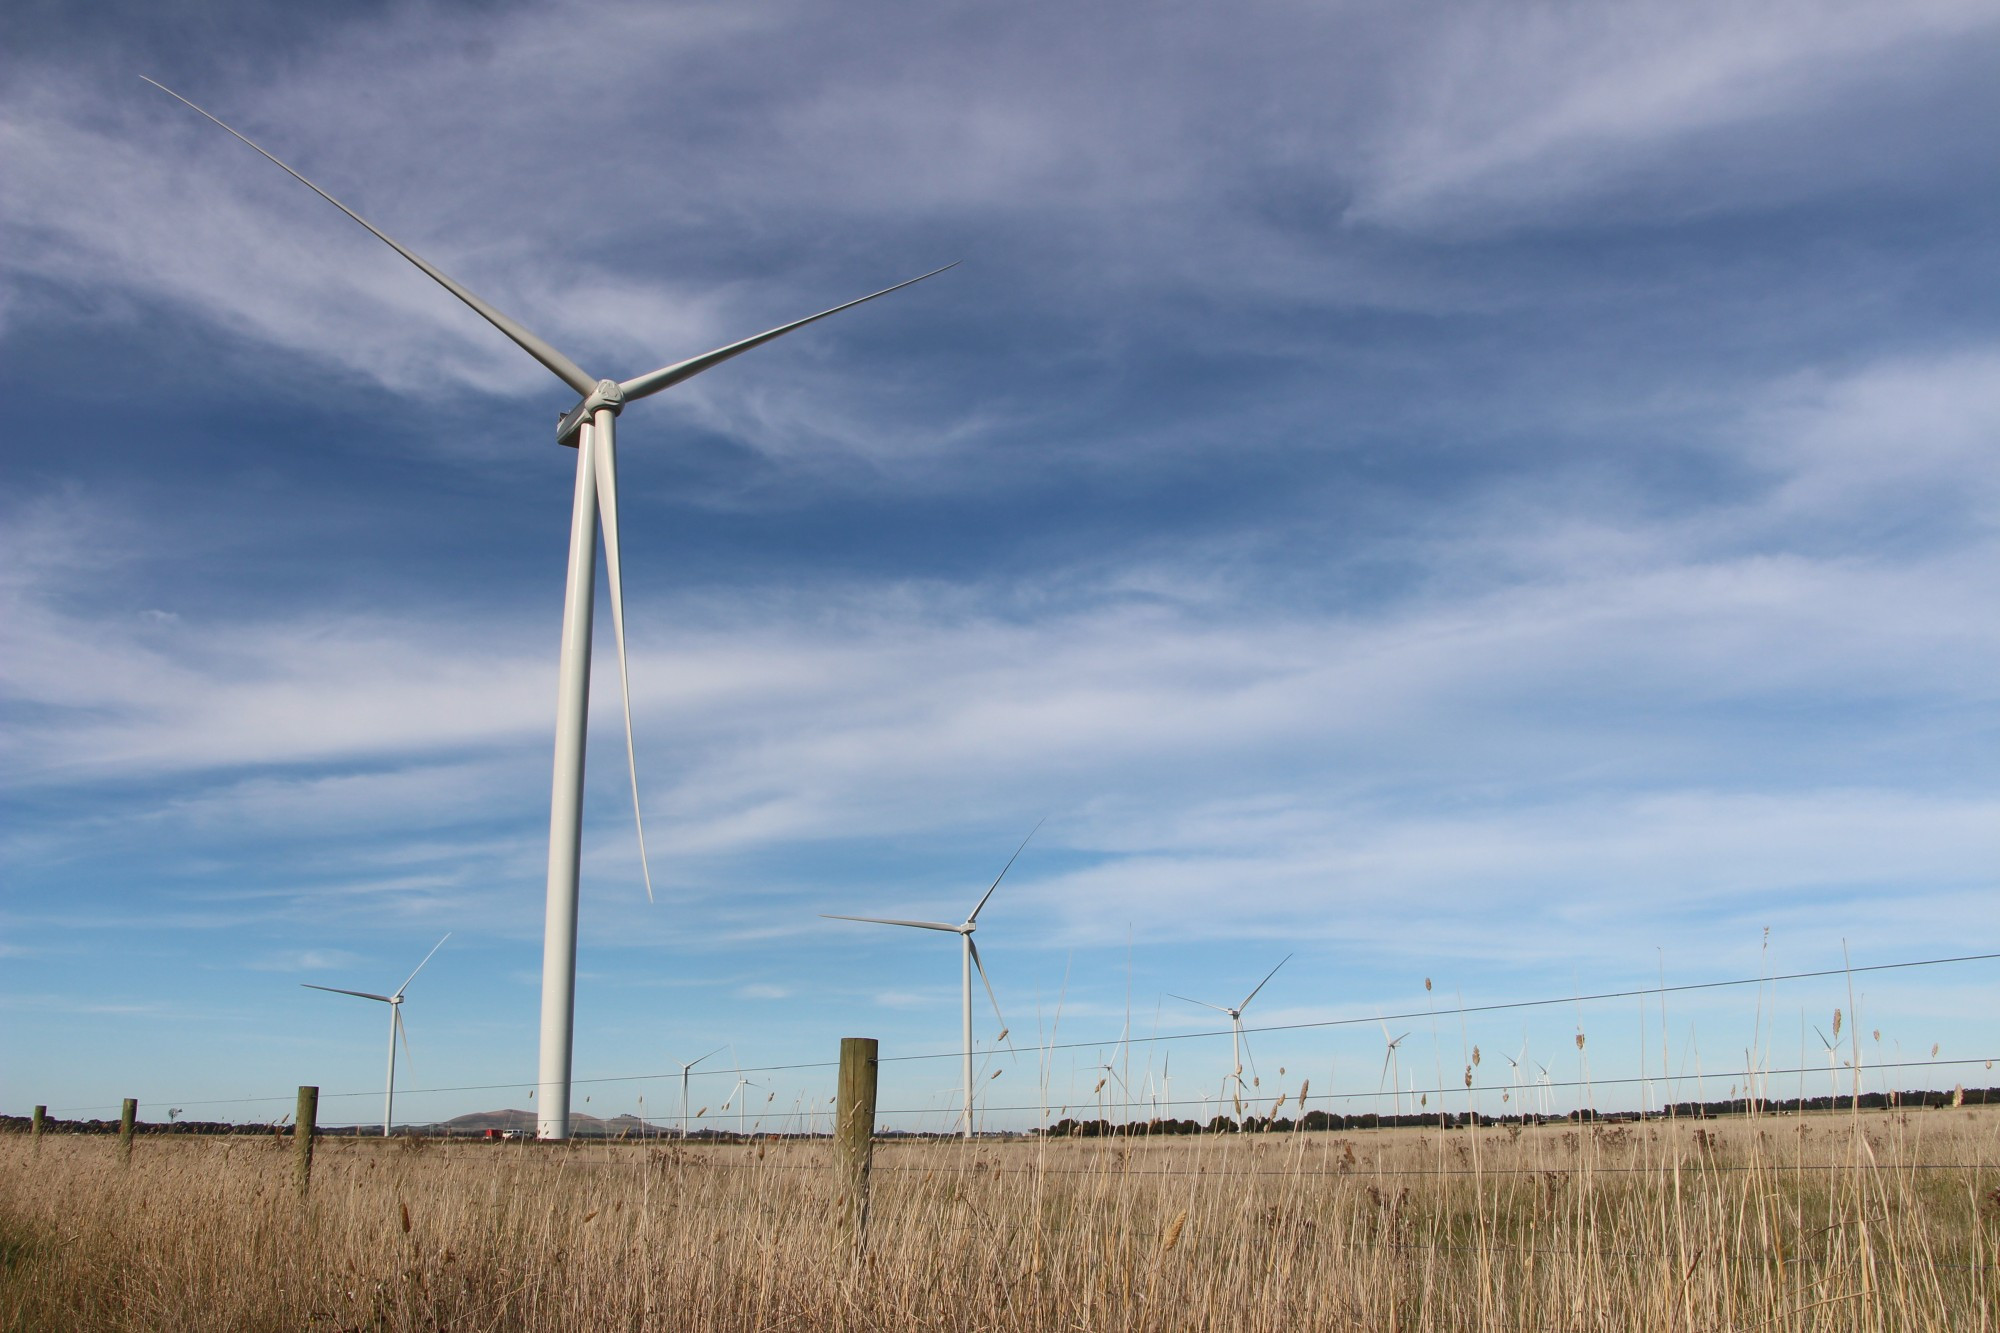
column 1872, row 1222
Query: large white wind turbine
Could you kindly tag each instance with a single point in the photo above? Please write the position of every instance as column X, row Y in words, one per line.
column 587, row 427
column 969, row 960
column 395, row 1003
column 1236, row 1022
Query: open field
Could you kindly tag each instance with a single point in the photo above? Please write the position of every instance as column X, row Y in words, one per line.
column 1870, row 1221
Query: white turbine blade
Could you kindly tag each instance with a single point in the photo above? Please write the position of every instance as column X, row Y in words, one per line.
column 1004, row 869
column 366, row 995
column 565, row 369
column 1265, row 982
column 981, row 969
column 890, row 921
column 666, row 377
column 404, row 1033
column 692, row 1063
column 420, row 966
column 1383, row 1080
column 1250, row 1059
column 605, row 465
column 1203, row 1003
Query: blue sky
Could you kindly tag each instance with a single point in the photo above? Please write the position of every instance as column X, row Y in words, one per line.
column 1503, row 494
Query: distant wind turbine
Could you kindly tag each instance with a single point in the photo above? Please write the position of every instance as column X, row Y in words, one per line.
column 969, row 960
column 741, row 1083
column 1832, row 1076
column 1109, row 1070
column 1236, row 1042
column 684, row 1087
column 587, row 427
column 395, row 1003
column 1388, row 1059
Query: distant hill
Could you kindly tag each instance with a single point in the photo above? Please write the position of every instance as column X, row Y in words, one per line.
column 524, row 1122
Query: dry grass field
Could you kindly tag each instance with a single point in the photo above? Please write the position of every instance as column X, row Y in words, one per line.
column 1878, row 1221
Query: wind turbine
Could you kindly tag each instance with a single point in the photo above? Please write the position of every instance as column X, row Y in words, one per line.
column 1389, row 1058
column 684, row 1087
column 1832, row 1078
column 587, row 427
column 1109, row 1070
column 1236, row 1022
column 1514, row 1067
column 741, row 1083
column 395, row 1003
column 969, row 960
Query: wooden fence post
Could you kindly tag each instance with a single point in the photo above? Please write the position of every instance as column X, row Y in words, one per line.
column 35, row 1125
column 126, row 1118
column 305, row 1126
column 854, row 1135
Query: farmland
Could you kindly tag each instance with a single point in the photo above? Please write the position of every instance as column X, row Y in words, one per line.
column 1870, row 1220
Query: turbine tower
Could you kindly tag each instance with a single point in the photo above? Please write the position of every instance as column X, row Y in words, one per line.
column 1236, row 1021
column 588, row 428
column 395, row 1003
column 969, row 959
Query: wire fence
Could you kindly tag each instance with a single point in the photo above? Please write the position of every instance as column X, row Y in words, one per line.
column 1749, row 1077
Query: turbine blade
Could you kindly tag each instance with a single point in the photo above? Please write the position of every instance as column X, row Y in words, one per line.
column 666, row 377
column 1203, row 1003
column 565, row 369
column 1004, row 869
column 604, row 464
column 890, row 921
column 717, row 1051
column 366, row 995
column 420, row 966
column 1265, row 982
column 404, row 1033
column 981, row 969
column 1381, row 1082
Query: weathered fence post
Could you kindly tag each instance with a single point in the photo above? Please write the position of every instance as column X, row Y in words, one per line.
column 307, row 1123
column 854, row 1135
column 35, row 1125
column 126, row 1118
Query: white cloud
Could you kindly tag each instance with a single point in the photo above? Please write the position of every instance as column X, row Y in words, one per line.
column 1512, row 109
column 305, row 960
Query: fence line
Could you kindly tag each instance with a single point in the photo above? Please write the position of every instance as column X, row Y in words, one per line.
column 1458, row 1010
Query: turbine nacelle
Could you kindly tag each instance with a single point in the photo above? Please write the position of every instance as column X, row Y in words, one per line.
column 609, row 395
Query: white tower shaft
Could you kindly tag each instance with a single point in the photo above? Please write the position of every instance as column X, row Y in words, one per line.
column 966, row 955
column 389, row 1094
column 566, row 799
